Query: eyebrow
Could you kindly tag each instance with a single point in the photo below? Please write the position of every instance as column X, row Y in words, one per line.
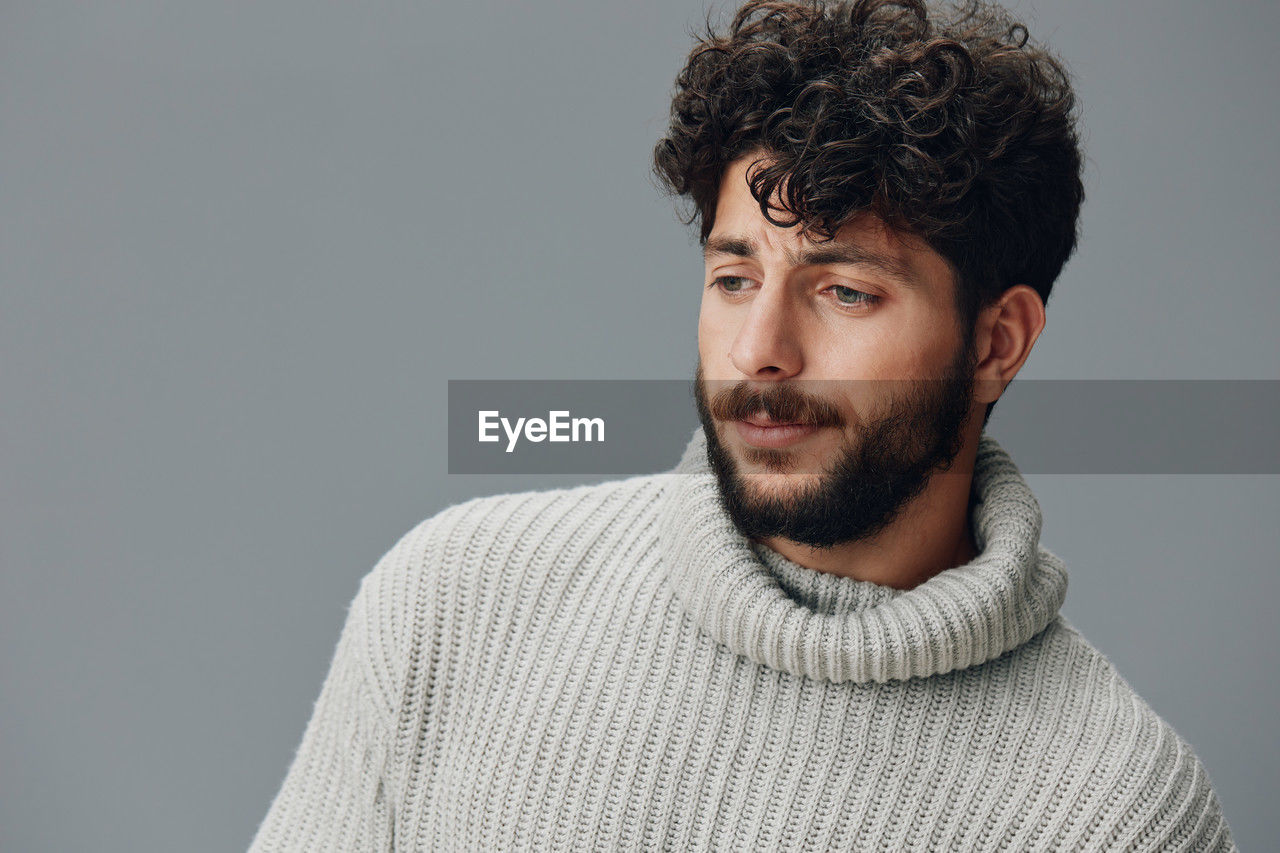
column 831, row 252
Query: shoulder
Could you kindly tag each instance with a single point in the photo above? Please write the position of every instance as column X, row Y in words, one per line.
column 507, row 525
column 434, row 570
column 1140, row 782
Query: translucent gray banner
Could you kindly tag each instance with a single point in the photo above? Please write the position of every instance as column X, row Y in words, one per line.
column 1048, row 426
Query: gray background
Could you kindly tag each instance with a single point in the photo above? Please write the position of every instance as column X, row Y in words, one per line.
column 244, row 245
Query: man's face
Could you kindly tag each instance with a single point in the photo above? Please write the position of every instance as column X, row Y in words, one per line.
column 832, row 379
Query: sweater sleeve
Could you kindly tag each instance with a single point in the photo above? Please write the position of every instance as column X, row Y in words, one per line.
column 1186, row 814
column 1174, row 806
column 334, row 796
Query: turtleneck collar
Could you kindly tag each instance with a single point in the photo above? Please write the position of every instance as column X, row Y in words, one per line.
column 825, row 626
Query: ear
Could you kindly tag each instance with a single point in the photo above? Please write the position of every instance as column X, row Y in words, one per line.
column 1006, row 332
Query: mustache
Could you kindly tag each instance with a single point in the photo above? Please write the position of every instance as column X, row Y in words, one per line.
column 783, row 403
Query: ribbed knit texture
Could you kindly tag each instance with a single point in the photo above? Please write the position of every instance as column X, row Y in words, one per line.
column 615, row 667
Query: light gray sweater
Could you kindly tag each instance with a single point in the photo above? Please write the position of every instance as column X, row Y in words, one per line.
column 615, row 667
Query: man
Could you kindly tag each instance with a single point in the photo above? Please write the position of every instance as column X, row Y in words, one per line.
column 832, row 626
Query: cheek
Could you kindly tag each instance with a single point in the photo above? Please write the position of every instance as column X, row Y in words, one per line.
column 934, row 350
column 715, row 337
column 870, row 354
column 907, row 346
column 874, row 367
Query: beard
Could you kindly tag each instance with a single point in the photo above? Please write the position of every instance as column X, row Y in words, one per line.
column 880, row 467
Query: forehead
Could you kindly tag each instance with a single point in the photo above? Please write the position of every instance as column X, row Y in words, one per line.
column 738, row 216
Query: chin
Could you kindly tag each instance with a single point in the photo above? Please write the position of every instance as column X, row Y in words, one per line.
column 793, row 464
column 764, row 481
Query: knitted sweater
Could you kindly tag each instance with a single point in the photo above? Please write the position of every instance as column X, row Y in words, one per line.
column 614, row 667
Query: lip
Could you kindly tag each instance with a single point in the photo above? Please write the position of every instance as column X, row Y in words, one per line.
column 760, row 432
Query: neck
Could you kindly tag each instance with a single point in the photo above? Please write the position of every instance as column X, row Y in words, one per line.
column 928, row 536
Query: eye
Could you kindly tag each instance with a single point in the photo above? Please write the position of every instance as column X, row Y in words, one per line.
column 730, row 283
column 849, row 296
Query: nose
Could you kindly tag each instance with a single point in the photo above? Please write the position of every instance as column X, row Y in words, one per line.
column 766, row 346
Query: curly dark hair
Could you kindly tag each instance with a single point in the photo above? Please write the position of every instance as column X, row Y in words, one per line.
column 947, row 123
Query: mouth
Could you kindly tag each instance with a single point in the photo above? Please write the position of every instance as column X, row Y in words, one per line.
column 759, row 430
